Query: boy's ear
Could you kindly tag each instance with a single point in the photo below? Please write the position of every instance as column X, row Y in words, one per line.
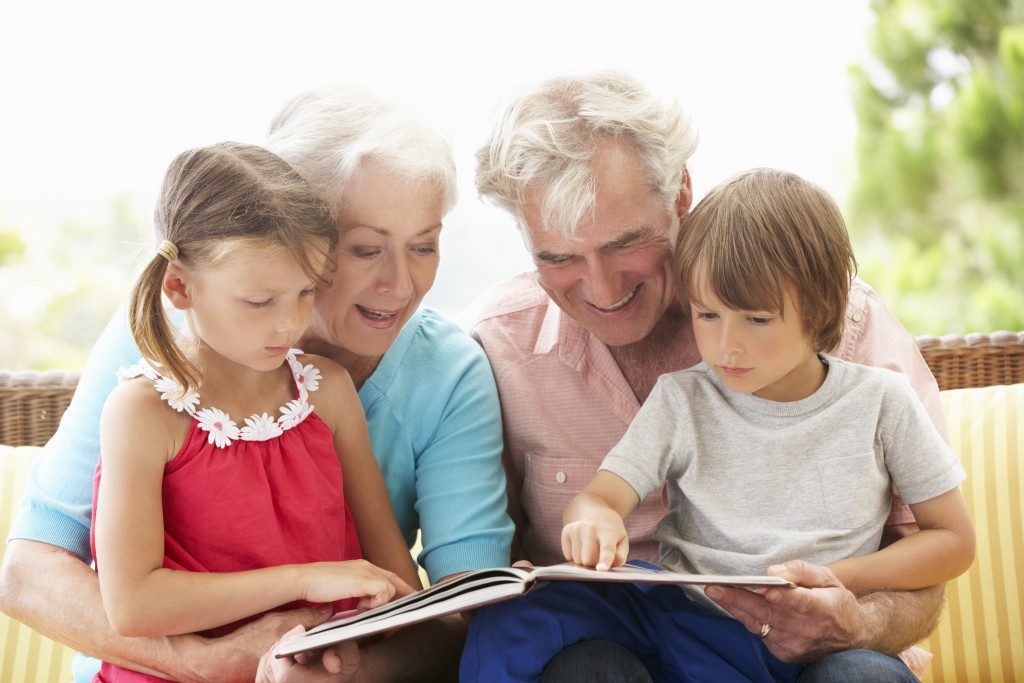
column 685, row 197
column 176, row 286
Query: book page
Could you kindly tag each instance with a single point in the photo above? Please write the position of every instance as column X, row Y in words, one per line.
column 634, row 573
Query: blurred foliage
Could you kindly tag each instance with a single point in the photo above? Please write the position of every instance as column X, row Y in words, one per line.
column 61, row 281
column 938, row 207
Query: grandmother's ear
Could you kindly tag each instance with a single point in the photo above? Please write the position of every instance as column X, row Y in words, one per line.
column 176, row 286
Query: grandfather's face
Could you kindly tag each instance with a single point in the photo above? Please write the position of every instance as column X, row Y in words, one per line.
column 387, row 257
column 615, row 277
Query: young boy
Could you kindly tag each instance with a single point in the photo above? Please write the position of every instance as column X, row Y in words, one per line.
column 771, row 450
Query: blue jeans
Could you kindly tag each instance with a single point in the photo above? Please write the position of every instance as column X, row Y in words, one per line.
column 672, row 637
column 600, row 661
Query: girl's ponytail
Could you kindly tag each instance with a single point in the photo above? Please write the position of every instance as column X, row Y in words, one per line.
column 151, row 330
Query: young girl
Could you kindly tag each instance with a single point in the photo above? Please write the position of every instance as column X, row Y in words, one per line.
column 221, row 492
column 771, row 450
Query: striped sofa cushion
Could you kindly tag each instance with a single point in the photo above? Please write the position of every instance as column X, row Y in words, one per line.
column 981, row 634
column 24, row 654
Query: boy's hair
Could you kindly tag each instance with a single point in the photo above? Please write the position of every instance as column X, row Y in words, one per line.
column 215, row 199
column 764, row 231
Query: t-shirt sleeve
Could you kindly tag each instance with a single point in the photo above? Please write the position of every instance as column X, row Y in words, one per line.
column 460, row 480
column 652, row 449
column 57, row 505
column 919, row 460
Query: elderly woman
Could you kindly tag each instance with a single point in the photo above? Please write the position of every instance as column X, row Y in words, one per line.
column 427, row 390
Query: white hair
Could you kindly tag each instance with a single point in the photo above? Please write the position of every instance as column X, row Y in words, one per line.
column 549, row 134
column 326, row 133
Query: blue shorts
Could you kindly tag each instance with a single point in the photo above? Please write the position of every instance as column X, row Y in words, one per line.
column 676, row 638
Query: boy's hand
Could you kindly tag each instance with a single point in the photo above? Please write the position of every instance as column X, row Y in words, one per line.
column 598, row 540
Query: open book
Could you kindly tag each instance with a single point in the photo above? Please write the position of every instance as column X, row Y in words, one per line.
column 484, row 586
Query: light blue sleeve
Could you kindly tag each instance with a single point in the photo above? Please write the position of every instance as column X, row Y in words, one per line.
column 57, row 505
column 459, row 478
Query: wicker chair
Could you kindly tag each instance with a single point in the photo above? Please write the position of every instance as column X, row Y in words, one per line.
column 32, row 403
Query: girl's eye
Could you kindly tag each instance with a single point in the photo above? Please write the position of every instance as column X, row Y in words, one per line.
column 307, row 292
column 258, row 304
column 705, row 315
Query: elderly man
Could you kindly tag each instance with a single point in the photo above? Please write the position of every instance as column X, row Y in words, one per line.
column 594, row 170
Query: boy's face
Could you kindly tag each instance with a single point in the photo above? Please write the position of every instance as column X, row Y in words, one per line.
column 757, row 352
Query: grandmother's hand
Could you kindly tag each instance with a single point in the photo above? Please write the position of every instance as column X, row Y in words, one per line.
column 818, row 617
column 337, row 663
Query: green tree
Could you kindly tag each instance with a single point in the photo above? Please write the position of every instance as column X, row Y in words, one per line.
column 937, row 210
column 61, row 281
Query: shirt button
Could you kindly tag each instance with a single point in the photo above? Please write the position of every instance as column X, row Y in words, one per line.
column 856, row 317
column 560, row 477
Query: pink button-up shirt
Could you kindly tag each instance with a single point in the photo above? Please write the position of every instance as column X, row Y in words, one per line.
column 565, row 403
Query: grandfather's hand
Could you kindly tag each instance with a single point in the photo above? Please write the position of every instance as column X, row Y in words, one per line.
column 818, row 617
column 338, row 663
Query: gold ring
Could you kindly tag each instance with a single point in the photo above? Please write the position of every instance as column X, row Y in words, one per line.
column 765, row 630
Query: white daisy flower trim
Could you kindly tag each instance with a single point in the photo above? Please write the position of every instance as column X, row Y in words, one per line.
column 221, row 427
column 260, row 428
column 293, row 413
column 170, row 391
column 307, row 377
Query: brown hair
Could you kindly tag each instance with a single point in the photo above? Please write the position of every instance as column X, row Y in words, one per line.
column 764, row 231
column 213, row 198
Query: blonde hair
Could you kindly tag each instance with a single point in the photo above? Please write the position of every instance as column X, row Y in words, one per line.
column 763, row 232
column 549, row 135
column 214, row 198
column 327, row 133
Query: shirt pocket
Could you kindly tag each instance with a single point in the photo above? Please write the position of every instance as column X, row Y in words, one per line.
column 851, row 486
column 549, row 484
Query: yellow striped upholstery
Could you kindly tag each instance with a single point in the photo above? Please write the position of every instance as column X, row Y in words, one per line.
column 25, row 656
column 981, row 635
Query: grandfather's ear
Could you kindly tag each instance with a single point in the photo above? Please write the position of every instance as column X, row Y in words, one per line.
column 685, row 197
column 176, row 286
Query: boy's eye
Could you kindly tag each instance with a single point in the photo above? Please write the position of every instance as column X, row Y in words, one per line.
column 258, row 304
column 760, row 320
column 308, row 291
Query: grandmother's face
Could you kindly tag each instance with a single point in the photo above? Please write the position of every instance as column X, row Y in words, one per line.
column 615, row 277
column 387, row 258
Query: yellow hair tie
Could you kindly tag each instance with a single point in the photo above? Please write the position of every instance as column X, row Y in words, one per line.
column 168, row 250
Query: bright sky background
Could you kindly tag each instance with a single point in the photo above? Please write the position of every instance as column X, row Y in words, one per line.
column 98, row 97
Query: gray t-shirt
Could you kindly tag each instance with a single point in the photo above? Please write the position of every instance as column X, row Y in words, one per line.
column 753, row 482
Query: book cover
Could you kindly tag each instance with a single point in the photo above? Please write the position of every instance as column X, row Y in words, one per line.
column 485, row 586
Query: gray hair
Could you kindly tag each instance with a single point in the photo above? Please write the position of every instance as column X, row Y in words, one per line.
column 326, row 133
column 549, row 134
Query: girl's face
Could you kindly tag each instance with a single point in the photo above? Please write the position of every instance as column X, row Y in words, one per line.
column 387, row 257
column 757, row 352
column 250, row 307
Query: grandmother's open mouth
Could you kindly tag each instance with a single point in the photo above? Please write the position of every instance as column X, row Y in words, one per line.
column 379, row 318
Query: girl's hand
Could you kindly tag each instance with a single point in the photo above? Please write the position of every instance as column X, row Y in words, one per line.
column 597, row 540
column 331, row 581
